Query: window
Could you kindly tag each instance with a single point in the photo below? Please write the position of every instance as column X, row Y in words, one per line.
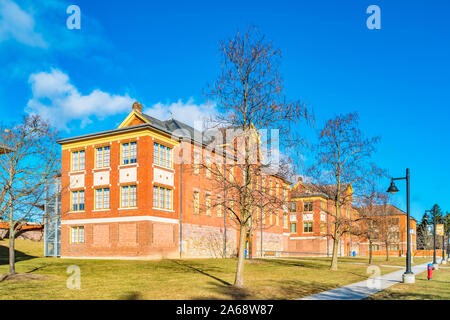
column 102, row 198
column 196, row 202
column 308, row 206
column 162, row 155
column 129, row 152
column 285, row 221
column 375, row 247
column 162, row 198
column 323, row 227
column 208, row 167
column 285, row 194
column 277, row 220
column 307, row 227
column 219, row 206
column 78, row 200
column 393, row 247
column 77, row 234
column 293, row 206
column 128, row 196
column 78, row 160
column 208, row 204
column 196, row 162
column 293, row 227
column 102, row 157
column 231, row 175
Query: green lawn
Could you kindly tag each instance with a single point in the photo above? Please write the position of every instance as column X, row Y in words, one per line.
column 436, row 289
column 171, row 279
column 378, row 260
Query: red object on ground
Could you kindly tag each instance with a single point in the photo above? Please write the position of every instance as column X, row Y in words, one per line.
column 430, row 271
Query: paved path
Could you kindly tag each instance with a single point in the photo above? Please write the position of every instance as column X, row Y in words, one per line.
column 363, row 289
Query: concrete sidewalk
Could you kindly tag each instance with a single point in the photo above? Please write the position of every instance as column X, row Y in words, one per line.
column 366, row 288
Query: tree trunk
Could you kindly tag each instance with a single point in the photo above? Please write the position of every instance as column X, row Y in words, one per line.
column 239, row 280
column 370, row 253
column 387, row 252
column 12, row 256
column 334, row 259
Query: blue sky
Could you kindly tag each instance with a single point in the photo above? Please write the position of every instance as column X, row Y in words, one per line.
column 163, row 54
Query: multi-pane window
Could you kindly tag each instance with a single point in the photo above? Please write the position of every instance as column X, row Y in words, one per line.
column 128, row 196
column 196, row 202
column 208, row 167
column 102, row 157
column 307, row 227
column 308, row 206
column 285, row 221
column 219, row 206
column 78, row 200
column 102, row 198
column 393, row 247
column 129, row 152
column 293, row 227
column 196, row 162
column 78, row 160
column 293, row 206
column 162, row 155
column 208, row 204
column 323, row 227
column 162, row 198
column 77, row 234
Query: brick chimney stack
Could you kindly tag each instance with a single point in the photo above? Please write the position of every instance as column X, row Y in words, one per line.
column 300, row 179
column 137, row 106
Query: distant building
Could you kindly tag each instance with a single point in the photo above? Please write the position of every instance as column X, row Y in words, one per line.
column 395, row 229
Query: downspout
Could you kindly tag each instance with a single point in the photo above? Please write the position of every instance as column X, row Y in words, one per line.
column 328, row 228
column 224, row 206
column 181, row 199
column 261, row 210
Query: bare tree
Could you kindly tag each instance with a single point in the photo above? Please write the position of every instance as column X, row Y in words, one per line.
column 369, row 199
column 23, row 171
column 386, row 232
column 342, row 155
column 250, row 99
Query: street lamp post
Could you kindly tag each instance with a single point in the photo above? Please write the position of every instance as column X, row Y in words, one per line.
column 408, row 276
column 435, row 264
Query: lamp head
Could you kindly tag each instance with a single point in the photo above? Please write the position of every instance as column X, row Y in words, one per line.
column 392, row 188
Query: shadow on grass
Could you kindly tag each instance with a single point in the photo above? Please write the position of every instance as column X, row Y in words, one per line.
column 402, row 296
column 229, row 291
column 203, row 272
column 132, row 295
column 20, row 256
column 304, row 264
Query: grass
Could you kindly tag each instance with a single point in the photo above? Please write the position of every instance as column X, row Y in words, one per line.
column 436, row 289
column 171, row 279
column 377, row 260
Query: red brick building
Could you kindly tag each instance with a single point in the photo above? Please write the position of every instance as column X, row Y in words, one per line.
column 311, row 222
column 123, row 195
column 392, row 226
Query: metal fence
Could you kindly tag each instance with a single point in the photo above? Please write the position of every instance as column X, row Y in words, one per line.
column 52, row 218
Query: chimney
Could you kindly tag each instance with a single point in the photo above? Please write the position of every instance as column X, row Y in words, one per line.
column 300, row 179
column 137, row 106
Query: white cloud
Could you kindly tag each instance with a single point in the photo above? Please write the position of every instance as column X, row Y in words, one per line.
column 18, row 25
column 57, row 100
column 188, row 112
